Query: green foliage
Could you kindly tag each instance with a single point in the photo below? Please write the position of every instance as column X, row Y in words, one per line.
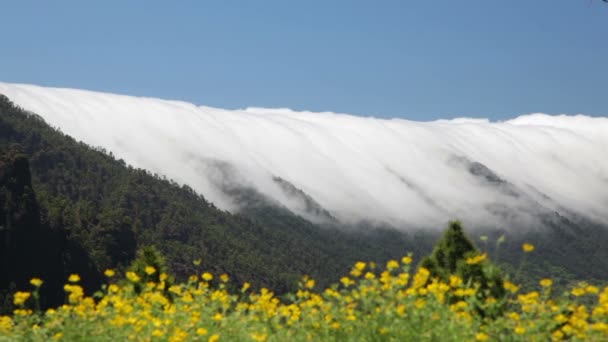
column 382, row 304
column 149, row 264
column 455, row 254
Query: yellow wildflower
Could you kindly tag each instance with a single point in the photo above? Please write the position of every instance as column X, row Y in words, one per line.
column 455, row 281
column 509, row 286
column 578, row 291
column 360, row 265
column 527, row 247
column 481, row 336
column 224, row 278
column 21, row 297
column 36, row 282
column 557, row 335
column 546, row 283
column 346, row 281
column 592, row 289
column 392, row 264
column 214, row 338
column 514, row 316
column 109, row 273
column 207, row 276
column 406, row 260
column 259, row 337
column 246, row 286
column 74, row 278
column 201, row 331
column 132, row 276
column 6, row 323
column 476, row 259
column 150, row 270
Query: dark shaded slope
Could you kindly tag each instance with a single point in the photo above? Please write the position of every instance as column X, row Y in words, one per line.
column 29, row 245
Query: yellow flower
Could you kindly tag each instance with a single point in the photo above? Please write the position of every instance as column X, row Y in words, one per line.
column 201, row 331
column 57, row 336
column 74, row 278
column 477, row 259
column 557, row 335
column 207, row 276
column 400, row 309
column 519, row 330
column 113, row 288
column 527, row 247
column 546, row 283
column 578, row 291
column 481, row 336
column 214, row 338
column 406, row 260
column 132, row 276
column 600, row 326
column 455, row 281
column 309, row 284
column 6, row 323
column 246, row 286
column 592, row 289
column 157, row 333
column 218, row 317
column 509, row 286
column 360, row 265
column 36, row 282
column 109, row 273
column 150, row 270
column 21, row 297
column 224, row 278
column 346, row 281
column 392, row 264
column 355, row 272
column 259, row 337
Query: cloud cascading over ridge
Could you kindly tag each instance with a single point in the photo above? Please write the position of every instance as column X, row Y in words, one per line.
column 399, row 172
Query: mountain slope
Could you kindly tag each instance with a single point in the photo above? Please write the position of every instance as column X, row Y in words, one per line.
column 111, row 209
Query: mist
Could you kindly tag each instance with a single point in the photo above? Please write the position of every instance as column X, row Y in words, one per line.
column 331, row 166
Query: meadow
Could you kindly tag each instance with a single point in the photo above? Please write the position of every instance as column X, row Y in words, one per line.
column 371, row 303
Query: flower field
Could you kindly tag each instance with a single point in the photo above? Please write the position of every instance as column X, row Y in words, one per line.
column 371, row 303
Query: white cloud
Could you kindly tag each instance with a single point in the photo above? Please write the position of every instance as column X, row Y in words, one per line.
column 396, row 171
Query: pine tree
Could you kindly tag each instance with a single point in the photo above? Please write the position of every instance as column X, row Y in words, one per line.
column 455, row 254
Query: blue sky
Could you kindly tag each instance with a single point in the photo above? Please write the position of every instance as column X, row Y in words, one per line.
column 419, row 60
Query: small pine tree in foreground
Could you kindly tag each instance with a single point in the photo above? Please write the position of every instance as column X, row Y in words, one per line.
column 456, row 255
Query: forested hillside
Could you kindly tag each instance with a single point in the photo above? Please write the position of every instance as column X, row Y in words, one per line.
column 110, row 209
column 82, row 210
